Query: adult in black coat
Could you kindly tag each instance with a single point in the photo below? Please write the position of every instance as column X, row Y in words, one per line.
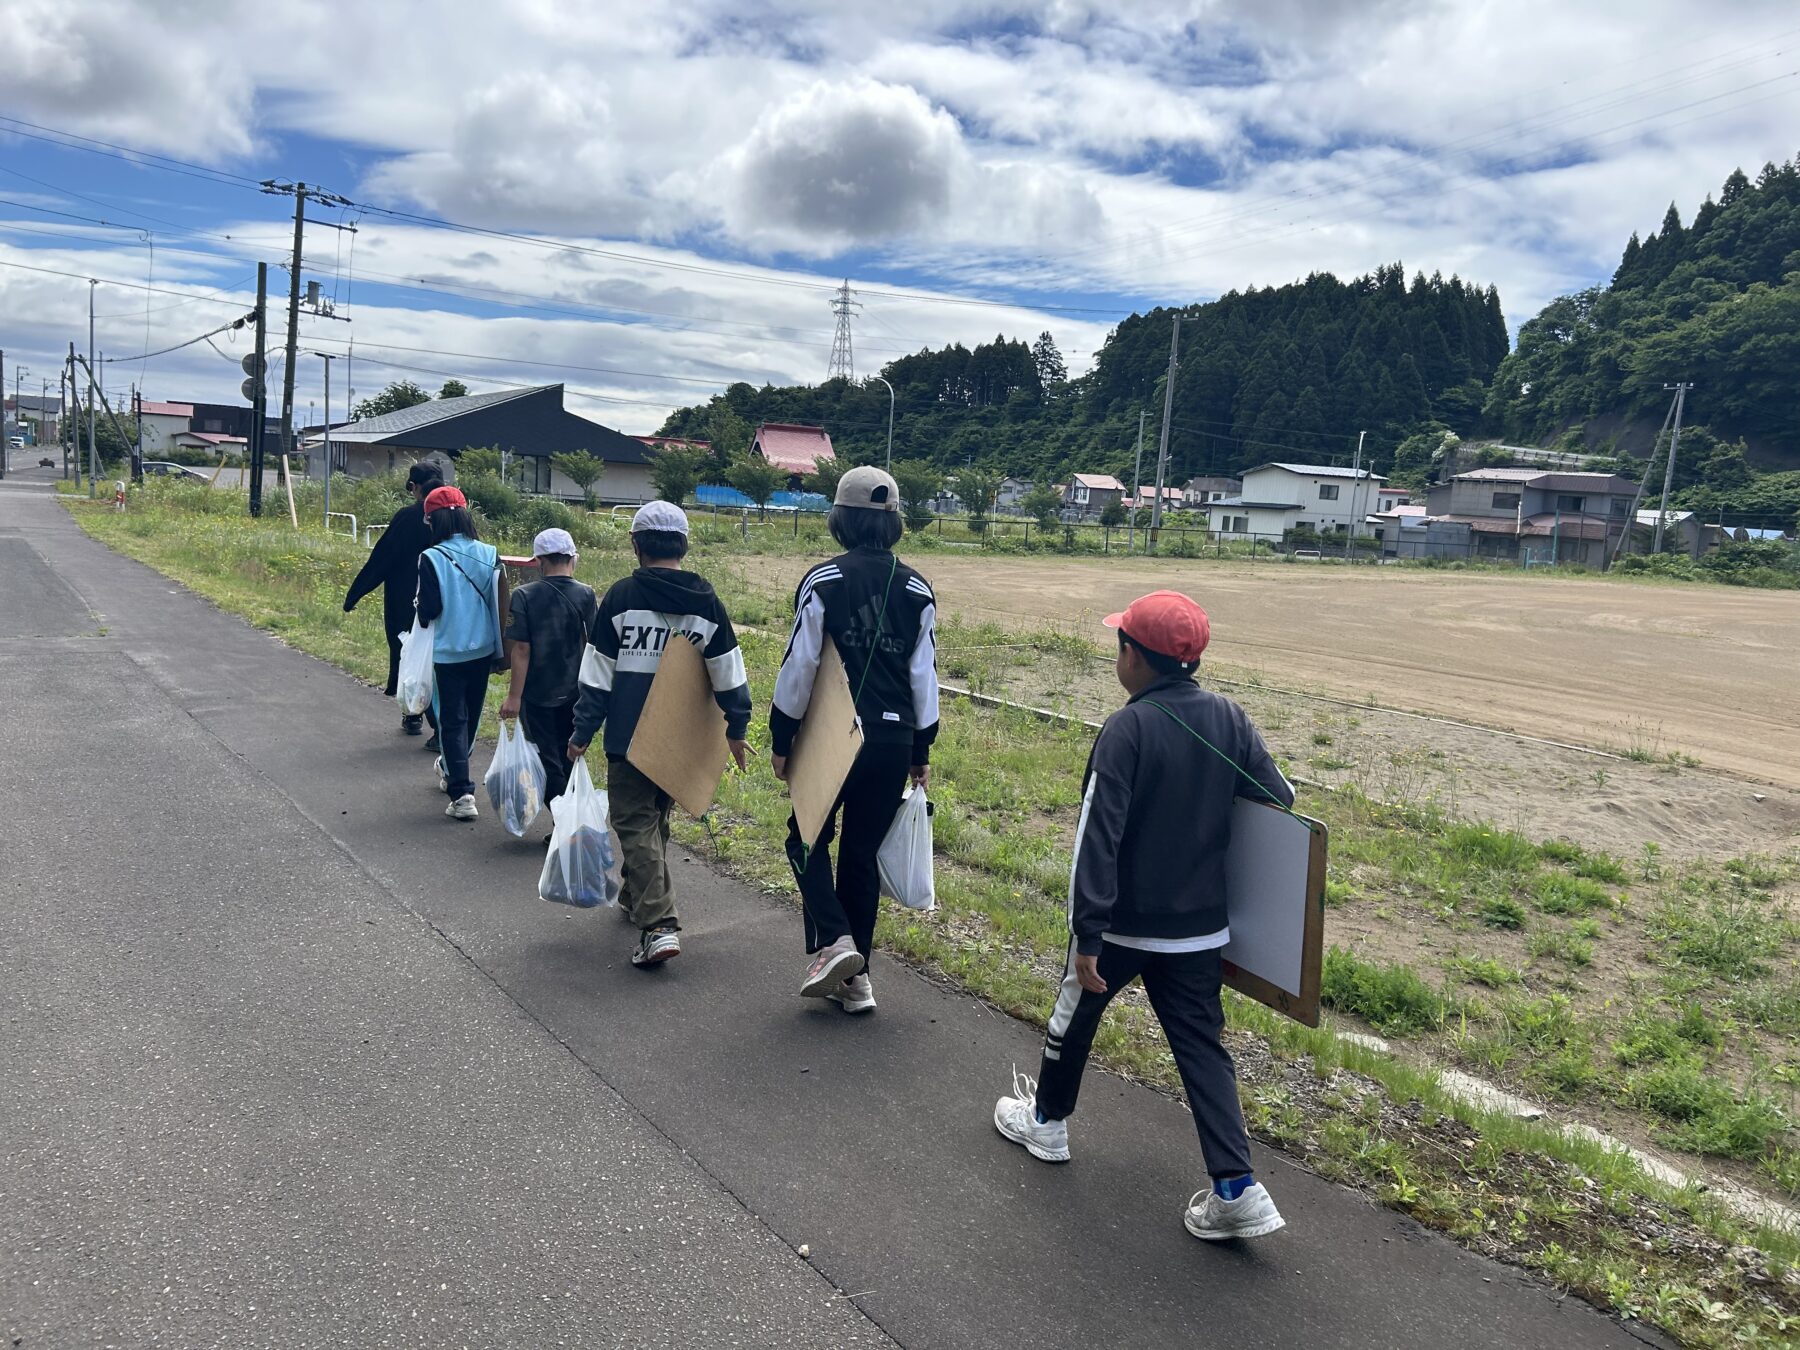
column 394, row 565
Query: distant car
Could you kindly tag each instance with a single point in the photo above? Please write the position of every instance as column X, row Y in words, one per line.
column 46, row 463
column 18, row 442
column 162, row 468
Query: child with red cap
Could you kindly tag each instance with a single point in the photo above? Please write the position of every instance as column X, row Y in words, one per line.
column 1147, row 900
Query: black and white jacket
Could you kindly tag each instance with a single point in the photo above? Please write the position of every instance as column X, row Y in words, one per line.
column 638, row 618
column 882, row 616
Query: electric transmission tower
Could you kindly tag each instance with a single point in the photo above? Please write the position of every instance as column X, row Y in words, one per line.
column 843, row 360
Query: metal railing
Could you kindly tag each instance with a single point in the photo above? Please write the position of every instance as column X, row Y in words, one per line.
column 340, row 515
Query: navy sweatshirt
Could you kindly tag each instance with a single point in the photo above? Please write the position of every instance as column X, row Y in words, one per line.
column 1156, row 816
column 638, row 617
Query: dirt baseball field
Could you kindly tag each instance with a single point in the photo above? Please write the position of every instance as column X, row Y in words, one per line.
column 1711, row 672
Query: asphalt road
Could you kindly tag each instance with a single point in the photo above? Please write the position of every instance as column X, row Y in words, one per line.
column 296, row 1061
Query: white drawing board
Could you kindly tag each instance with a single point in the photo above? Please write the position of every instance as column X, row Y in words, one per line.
column 1275, row 898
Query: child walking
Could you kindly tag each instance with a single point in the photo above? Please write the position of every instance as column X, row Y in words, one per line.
column 549, row 627
column 1147, row 901
column 882, row 617
column 459, row 599
column 639, row 616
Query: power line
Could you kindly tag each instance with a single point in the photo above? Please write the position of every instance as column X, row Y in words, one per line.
column 524, row 361
column 144, row 356
column 128, row 285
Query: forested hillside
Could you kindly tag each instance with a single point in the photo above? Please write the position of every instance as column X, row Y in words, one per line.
column 1296, row 371
column 1284, row 372
column 1715, row 302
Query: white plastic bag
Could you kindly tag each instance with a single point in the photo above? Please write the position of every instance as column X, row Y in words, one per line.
column 418, row 676
column 515, row 780
column 583, row 867
column 904, row 859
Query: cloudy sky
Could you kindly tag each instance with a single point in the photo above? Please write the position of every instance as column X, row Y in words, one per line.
column 695, row 176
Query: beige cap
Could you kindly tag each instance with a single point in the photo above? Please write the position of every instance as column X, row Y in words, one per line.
column 870, row 488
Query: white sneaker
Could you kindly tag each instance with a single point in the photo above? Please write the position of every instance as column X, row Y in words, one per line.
column 463, row 808
column 1016, row 1118
column 1212, row 1218
column 830, row 968
column 437, row 766
column 854, row 995
column 656, row 946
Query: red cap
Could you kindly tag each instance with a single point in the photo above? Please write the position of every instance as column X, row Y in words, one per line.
column 440, row 497
column 1166, row 622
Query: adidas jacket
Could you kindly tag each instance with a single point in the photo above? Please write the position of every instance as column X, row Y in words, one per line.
column 882, row 616
column 639, row 617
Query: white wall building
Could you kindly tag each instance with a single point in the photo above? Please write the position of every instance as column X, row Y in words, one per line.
column 1323, row 497
column 163, row 422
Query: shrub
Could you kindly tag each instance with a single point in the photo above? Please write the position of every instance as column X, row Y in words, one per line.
column 539, row 513
column 1502, row 911
column 499, row 502
column 1499, row 849
column 1558, row 893
column 1393, row 999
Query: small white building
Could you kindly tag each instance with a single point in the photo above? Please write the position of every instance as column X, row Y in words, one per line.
column 1242, row 518
column 162, row 423
column 1324, row 498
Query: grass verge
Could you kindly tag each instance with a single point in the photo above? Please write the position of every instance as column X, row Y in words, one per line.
column 1006, row 784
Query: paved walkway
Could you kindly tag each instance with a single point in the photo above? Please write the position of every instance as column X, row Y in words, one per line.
column 295, row 1061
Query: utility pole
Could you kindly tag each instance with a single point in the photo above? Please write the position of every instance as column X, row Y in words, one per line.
column 137, row 448
column 69, row 399
column 93, row 446
column 1162, row 453
column 327, row 358
column 1137, row 489
column 18, row 414
column 1637, row 501
column 1662, row 507
column 300, row 193
column 1355, row 489
column 256, row 390
column 890, row 443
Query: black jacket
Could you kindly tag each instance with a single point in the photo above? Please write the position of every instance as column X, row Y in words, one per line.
column 394, row 564
column 882, row 616
column 638, row 617
column 1156, row 815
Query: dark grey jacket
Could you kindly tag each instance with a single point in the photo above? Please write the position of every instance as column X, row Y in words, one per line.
column 1156, row 815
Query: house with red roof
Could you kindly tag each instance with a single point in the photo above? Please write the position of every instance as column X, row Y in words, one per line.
column 792, row 446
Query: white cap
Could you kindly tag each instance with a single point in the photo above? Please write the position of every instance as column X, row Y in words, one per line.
column 552, row 541
column 660, row 515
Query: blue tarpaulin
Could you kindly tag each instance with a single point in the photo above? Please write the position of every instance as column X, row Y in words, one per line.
column 717, row 494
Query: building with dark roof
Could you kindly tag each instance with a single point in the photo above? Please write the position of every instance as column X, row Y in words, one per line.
column 527, row 425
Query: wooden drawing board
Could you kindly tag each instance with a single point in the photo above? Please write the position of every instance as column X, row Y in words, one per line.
column 828, row 742
column 1275, row 897
column 679, row 743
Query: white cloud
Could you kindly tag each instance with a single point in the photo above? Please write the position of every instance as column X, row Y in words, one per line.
column 1166, row 150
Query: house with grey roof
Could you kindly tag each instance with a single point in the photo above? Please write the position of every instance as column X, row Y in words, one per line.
column 528, row 425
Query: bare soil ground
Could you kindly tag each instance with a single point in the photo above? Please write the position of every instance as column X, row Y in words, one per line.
column 1598, row 799
column 1714, row 670
column 1667, row 673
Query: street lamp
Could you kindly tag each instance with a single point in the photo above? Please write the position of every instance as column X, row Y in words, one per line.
column 890, row 449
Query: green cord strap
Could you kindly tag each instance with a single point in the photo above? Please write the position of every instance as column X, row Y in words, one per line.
column 880, row 622
column 1242, row 771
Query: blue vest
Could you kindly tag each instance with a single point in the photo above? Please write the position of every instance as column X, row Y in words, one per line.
column 468, row 578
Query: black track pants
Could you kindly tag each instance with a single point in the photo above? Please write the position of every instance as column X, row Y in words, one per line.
column 866, row 808
column 1184, row 992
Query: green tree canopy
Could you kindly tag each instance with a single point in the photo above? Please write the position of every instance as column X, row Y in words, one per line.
column 1043, row 504
column 581, row 469
column 454, row 389
column 825, row 475
column 676, row 471
column 918, row 482
column 400, row 394
column 757, row 479
column 479, row 459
